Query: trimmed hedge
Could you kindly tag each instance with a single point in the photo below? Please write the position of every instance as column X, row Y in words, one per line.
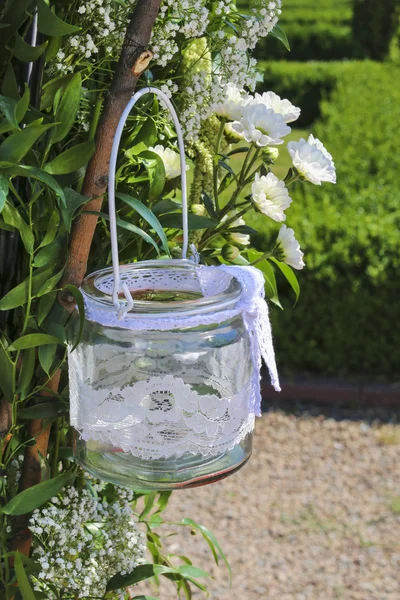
column 346, row 322
column 312, row 41
column 374, row 25
column 305, row 84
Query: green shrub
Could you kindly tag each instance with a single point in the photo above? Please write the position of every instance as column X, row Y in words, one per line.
column 308, row 14
column 305, row 84
column 374, row 24
column 346, row 322
column 312, row 41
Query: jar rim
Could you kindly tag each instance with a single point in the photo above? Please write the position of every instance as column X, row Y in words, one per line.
column 97, row 290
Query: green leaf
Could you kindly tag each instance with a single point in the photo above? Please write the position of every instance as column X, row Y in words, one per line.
column 280, row 35
column 3, row 191
column 12, row 217
column 290, row 277
column 35, row 496
column 52, row 228
column 149, row 503
column 209, row 204
column 45, row 304
column 73, row 201
column 49, row 285
column 26, row 372
column 77, row 294
column 16, row 145
column 51, row 253
column 148, row 216
column 46, row 355
column 68, row 108
column 23, row 105
column 166, row 206
column 211, row 541
column 144, row 598
column 22, row 579
column 271, row 289
column 190, row 571
column 18, row 296
column 155, row 170
column 44, row 410
column 27, row 53
column 174, row 220
column 10, row 86
column 242, row 229
column 140, row 573
column 7, row 373
column 32, row 340
column 51, row 88
column 50, row 24
column 8, row 108
column 147, row 134
column 129, row 227
column 72, row 159
column 27, row 171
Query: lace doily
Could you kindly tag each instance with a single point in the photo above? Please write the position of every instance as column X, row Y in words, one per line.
column 187, row 403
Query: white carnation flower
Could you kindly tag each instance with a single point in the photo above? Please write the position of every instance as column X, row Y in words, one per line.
column 171, row 160
column 235, row 100
column 235, row 237
column 280, row 106
column 262, row 126
column 289, row 248
column 312, row 160
column 231, row 134
column 271, row 196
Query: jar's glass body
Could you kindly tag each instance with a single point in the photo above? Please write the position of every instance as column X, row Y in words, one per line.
column 162, row 409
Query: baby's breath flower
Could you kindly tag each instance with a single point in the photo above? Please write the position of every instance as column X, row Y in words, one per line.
column 81, row 542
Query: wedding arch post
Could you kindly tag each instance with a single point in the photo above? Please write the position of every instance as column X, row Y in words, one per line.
column 133, row 60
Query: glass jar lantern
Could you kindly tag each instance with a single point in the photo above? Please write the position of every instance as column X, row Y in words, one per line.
column 164, row 383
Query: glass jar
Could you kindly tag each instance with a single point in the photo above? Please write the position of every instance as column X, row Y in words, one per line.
column 161, row 408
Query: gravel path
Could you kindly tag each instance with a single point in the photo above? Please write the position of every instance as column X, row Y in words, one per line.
column 314, row 515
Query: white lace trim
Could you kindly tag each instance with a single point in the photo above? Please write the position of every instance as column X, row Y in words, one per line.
column 162, row 417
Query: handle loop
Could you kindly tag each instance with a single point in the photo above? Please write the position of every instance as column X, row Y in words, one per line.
column 111, row 192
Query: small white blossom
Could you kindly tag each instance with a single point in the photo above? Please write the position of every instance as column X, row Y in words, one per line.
column 171, row 160
column 271, row 196
column 312, row 160
column 280, row 106
column 262, row 126
column 288, row 248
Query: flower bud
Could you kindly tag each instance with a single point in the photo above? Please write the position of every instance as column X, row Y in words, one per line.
column 230, row 252
column 198, row 209
column 272, row 152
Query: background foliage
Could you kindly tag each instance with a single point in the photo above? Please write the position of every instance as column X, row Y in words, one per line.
column 343, row 324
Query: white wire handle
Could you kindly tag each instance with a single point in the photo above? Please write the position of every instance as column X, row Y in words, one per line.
column 111, row 191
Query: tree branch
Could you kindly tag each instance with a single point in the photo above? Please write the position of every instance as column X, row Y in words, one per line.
column 133, row 61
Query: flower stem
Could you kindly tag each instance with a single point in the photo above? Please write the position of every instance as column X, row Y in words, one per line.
column 216, row 165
